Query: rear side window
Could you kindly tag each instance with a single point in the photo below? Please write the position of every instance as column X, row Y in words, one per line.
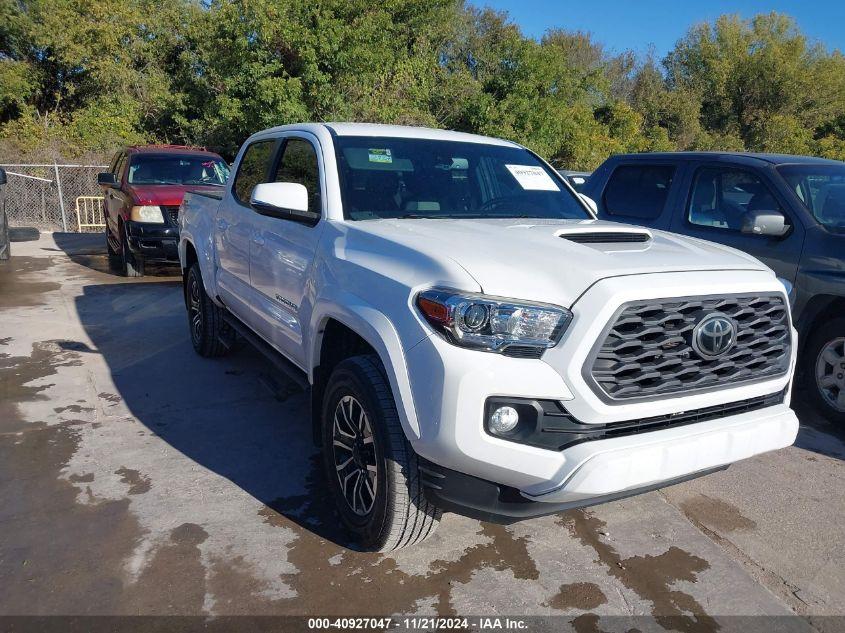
column 638, row 191
column 299, row 164
column 253, row 169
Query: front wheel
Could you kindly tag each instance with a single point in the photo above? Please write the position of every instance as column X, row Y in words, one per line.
column 824, row 370
column 115, row 260
column 131, row 265
column 371, row 468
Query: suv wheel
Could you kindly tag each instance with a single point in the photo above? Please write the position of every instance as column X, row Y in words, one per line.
column 824, row 370
column 209, row 331
column 131, row 265
column 371, row 468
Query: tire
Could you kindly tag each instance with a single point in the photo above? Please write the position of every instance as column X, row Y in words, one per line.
column 399, row 514
column 131, row 265
column 115, row 261
column 823, row 370
column 210, row 333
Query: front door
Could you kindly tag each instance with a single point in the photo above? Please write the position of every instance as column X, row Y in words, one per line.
column 283, row 250
column 234, row 227
column 115, row 201
column 720, row 197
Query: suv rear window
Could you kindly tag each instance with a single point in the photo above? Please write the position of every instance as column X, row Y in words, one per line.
column 638, row 191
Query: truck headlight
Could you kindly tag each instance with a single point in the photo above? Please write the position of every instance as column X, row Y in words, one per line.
column 493, row 324
column 147, row 213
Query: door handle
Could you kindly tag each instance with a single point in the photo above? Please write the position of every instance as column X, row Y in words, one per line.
column 222, row 225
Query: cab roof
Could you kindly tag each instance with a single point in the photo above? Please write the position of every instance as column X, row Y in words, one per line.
column 387, row 131
column 773, row 159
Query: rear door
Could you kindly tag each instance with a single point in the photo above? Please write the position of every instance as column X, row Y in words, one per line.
column 639, row 192
column 282, row 250
column 234, row 227
column 719, row 196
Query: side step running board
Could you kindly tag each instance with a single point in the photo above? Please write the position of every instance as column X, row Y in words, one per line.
column 291, row 371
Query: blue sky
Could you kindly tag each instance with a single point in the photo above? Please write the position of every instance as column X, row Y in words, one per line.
column 634, row 24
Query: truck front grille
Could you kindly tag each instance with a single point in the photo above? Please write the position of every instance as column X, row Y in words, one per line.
column 647, row 349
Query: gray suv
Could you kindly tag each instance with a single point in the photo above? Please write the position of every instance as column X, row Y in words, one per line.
column 788, row 211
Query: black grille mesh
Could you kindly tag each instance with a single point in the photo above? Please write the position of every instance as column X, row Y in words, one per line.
column 172, row 213
column 648, row 351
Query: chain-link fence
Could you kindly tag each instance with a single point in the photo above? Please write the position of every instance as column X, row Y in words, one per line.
column 54, row 197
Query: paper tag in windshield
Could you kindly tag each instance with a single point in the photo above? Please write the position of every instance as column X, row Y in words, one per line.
column 380, row 156
column 532, row 178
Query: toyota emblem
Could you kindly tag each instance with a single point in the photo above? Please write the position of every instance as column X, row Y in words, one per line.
column 714, row 335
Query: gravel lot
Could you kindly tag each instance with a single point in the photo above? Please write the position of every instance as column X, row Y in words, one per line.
column 137, row 478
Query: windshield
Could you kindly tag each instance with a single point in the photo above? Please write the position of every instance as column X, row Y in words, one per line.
column 175, row 169
column 417, row 178
column 821, row 189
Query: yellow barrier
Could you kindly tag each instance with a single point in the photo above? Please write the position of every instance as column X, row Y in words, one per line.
column 89, row 213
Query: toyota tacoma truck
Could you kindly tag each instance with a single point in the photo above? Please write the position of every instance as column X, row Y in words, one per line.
column 472, row 338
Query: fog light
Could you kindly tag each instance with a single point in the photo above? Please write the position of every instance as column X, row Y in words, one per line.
column 504, row 420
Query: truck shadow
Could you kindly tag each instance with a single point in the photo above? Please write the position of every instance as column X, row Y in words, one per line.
column 219, row 413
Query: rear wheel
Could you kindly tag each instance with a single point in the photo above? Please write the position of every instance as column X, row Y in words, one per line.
column 371, row 468
column 210, row 334
column 131, row 265
column 824, row 370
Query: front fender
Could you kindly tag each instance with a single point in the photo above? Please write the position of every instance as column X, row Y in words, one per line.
column 196, row 229
column 375, row 328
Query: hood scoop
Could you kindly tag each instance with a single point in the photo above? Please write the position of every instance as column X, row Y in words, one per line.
column 624, row 236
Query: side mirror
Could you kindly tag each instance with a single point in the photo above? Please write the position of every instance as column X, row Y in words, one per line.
column 590, row 203
column 2, row 176
column 107, row 179
column 771, row 223
column 283, row 200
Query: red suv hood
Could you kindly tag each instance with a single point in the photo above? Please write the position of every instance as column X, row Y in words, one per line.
column 165, row 195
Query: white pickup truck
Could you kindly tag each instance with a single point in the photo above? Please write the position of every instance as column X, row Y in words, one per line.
column 473, row 340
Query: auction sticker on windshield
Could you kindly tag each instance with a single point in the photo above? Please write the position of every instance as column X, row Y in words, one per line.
column 380, row 156
column 532, row 178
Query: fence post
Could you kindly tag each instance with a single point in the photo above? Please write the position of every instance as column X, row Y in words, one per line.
column 61, row 198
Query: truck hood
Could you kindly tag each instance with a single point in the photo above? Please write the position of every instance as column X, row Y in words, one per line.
column 166, row 195
column 537, row 260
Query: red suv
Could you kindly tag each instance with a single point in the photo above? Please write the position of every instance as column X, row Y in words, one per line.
column 143, row 190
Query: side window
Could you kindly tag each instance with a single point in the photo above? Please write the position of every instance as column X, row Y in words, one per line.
column 299, row 164
column 253, row 168
column 721, row 197
column 114, row 161
column 119, row 165
column 638, row 191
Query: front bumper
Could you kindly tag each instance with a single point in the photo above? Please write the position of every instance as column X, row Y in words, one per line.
column 153, row 242
column 606, row 470
column 470, row 496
